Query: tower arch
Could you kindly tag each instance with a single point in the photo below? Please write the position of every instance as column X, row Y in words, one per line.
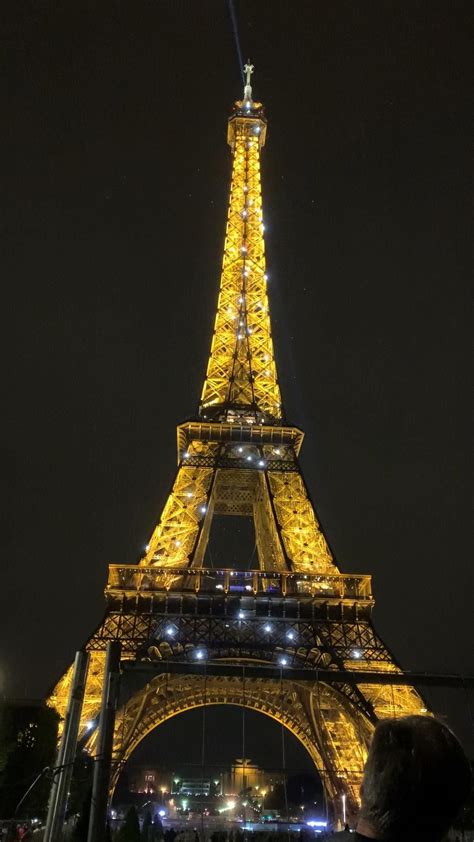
column 319, row 717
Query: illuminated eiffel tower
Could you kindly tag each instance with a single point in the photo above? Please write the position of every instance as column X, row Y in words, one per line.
column 295, row 610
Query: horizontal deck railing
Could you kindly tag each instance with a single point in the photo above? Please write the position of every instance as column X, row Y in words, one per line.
column 327, row 587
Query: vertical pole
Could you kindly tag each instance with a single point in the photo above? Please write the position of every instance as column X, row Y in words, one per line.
column 103, row 764
column 62, row 779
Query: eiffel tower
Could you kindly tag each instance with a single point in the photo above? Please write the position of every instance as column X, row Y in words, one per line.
column 294, row 612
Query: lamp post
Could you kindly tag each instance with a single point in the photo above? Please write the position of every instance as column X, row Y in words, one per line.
column 343, row 808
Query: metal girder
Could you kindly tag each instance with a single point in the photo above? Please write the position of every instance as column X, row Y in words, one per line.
column 332, row 676
column 277, row 438
column 293, row 592
column 304, row 541
column 350, row 653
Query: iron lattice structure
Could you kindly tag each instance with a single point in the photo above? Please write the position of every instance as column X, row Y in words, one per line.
column 238, row 457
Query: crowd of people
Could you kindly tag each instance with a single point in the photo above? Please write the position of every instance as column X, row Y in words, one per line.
column 416, row 779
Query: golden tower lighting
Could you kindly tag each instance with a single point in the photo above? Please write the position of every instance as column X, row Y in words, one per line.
column 238, row 457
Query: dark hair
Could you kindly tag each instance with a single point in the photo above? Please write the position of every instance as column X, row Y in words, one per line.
column 416, row 779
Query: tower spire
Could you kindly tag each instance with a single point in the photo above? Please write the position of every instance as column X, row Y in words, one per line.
column 241, row 382
column 248, row 70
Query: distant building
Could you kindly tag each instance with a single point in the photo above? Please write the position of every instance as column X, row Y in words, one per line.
column 196, row 786
column 148, row 779
column 245, row 775
column 242, row 775
column 193, row 786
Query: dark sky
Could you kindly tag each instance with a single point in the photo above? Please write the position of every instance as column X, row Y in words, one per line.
column 247, row 733
column 115, row 181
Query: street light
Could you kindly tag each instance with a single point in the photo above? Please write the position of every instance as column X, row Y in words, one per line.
column 344, row 809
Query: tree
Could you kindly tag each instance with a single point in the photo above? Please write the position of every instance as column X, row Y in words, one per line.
column 275, row 799
column 80, row 789
column 157, row 829
column 130, row 830
column 28, row 735
column 82, row 825
column 147, row 827
column 304, row 789
column 465, row 819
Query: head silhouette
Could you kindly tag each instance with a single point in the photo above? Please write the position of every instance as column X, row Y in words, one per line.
column 416, row 779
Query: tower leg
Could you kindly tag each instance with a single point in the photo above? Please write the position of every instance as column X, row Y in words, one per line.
column 61, row 781
column 102, row 768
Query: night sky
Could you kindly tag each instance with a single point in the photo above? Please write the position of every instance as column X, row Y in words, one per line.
column 115, row 182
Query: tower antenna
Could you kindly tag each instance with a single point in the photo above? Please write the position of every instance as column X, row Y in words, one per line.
column 233, row 20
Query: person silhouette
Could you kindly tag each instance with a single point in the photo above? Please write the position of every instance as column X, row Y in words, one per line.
column 416, row 779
